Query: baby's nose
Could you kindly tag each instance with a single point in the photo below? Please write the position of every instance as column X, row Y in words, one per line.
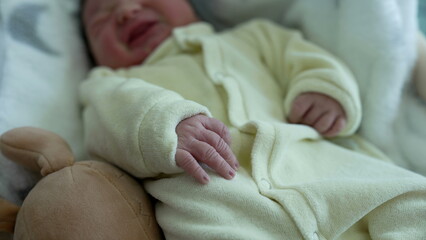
column 127, row 12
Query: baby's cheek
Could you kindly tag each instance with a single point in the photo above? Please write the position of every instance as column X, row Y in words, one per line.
column 112, row 53
column 177, row 13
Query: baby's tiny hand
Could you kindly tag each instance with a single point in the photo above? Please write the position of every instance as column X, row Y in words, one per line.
column 205, row 140
column 319, row 111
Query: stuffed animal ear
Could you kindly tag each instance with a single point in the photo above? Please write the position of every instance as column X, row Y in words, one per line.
column 36, row 149
column 8, row 212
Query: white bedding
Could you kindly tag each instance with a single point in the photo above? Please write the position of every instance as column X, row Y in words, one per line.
column 43, row 61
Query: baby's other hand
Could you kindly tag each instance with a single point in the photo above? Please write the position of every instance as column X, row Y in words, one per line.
column 319, row 111
column 202, row 139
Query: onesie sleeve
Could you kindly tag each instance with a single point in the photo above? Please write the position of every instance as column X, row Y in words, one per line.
column 300, row 66
column 131, row 123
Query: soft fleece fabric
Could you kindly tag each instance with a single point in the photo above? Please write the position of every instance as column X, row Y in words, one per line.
column 376, row 39
column 292, row 183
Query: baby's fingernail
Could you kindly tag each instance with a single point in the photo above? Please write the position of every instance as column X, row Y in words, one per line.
column 231, row 173
column 237, row 166
column 206, row 179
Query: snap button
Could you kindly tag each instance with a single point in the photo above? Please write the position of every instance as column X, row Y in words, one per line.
column 315, row 236
column 265, row 184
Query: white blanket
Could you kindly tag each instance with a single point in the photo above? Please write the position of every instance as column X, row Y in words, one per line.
column 42, row 63
column 376, row 38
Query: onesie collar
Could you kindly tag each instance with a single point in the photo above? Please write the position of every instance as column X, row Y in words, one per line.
column 187, row 39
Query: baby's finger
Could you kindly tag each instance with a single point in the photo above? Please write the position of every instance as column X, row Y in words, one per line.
column 205, row 153
column 299, row 109
column 338, row 126
column 218, row 127
column 188, row 163
column 325, row 122
column 314, row 114
column 221, row 147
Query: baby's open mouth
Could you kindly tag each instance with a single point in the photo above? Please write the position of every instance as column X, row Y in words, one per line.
column 140, row 33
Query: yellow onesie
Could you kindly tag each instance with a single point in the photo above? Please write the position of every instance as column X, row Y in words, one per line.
column 292, row 184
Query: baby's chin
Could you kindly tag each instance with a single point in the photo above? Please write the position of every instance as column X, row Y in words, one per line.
column 132, row 57
column 142, row 52
column 135, row 55
column 149, row 46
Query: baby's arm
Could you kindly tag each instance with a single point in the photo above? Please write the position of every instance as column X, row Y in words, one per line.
column 301, row 67
column 205, row 140
column 147, row 130
column 319, row 111
column 132, row 123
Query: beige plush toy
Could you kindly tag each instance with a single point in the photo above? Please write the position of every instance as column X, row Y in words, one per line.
column 87, row 200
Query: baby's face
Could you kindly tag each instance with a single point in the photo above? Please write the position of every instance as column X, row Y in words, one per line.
column 123, row 33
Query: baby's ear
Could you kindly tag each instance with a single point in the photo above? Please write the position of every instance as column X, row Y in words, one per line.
column 36, row 149
column 8, row 212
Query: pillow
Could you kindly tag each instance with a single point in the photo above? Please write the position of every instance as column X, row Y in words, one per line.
column 42, row 64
